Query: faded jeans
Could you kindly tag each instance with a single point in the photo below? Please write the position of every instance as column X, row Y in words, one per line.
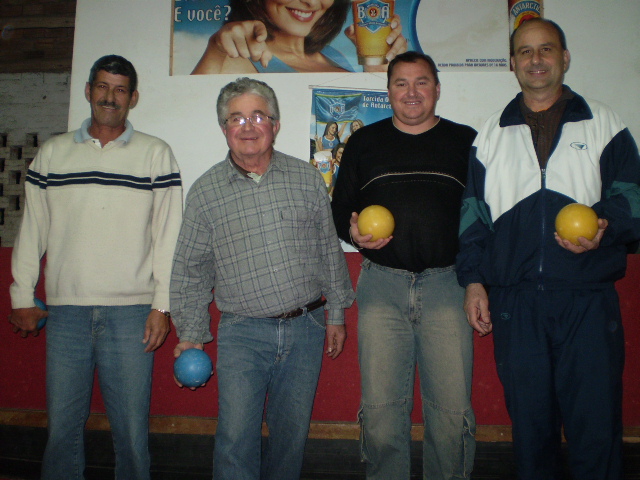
column 407, row 318
column 81, row 339
column 259, row 358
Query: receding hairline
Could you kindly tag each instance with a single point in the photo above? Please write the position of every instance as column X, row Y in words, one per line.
column 562, row 39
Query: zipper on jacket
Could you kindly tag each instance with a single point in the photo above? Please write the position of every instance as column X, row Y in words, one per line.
column 543, row 188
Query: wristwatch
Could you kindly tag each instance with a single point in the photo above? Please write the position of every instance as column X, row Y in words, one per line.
column 166, row 313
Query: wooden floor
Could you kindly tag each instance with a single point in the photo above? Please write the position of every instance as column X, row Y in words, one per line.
column 186, row 457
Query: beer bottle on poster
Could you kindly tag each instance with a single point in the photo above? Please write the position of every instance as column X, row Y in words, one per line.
column 372, row 21
column 522, row 10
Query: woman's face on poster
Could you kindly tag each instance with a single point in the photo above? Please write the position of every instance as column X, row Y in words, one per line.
column 339, row 155
column 296, row 17
column 333, row 128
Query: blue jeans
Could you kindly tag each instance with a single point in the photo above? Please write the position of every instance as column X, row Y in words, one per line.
column 407, row 318
column 79, row 340
column 260, row 359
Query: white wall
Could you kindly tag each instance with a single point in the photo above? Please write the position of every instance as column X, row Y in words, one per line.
column 603, row 38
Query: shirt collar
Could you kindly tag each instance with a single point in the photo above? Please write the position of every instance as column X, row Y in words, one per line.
column 577, row 110
column 565, row 96
column 82, row 134
column 276, row 163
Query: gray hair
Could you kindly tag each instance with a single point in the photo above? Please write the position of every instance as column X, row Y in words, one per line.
column 240, row 87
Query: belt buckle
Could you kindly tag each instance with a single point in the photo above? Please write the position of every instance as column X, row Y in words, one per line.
column 293, row 313
column 299, row 311
column 289, row 314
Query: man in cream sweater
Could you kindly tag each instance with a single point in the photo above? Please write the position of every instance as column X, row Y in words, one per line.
column 105, row 205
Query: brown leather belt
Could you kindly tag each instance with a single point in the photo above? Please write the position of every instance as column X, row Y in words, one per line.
column 299, row 311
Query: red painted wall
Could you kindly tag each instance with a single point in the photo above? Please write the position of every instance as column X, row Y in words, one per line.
column 23, row 367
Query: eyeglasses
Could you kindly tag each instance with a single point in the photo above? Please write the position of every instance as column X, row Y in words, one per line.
column 255, row 119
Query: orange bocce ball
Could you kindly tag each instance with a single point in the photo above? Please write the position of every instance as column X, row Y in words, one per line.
column 576, row 220
column 376, row 220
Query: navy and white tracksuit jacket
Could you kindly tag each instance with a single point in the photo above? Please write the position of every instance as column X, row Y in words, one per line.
column 510, row 203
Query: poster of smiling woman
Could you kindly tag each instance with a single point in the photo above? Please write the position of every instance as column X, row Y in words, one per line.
column 298, row 36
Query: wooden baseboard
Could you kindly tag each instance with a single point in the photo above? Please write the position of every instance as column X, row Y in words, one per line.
column 207, row 426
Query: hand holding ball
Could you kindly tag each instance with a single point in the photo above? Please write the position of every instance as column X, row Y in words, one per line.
column 377, row 221
column 576, row 220
column 193, row 368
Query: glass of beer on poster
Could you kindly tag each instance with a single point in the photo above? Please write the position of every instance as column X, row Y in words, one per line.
column 372, row 21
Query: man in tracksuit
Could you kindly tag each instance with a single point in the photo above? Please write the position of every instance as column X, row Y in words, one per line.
column 552, row 305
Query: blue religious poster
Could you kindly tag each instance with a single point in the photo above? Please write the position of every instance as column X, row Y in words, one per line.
column 336, row 114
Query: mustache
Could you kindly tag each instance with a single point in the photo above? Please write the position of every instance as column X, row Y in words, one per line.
column 105, row 103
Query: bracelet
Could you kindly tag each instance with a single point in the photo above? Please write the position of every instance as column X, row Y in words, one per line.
column 166, row 313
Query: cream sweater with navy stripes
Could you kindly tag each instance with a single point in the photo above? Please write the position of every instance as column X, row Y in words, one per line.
column 107, row 219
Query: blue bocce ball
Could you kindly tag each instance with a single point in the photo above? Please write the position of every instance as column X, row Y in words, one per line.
column 41, row 305
column 193, row 367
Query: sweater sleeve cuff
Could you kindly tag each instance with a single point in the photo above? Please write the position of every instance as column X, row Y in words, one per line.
column 21, row 298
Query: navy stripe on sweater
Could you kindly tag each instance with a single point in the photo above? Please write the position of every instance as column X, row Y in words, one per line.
column 102, row 178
